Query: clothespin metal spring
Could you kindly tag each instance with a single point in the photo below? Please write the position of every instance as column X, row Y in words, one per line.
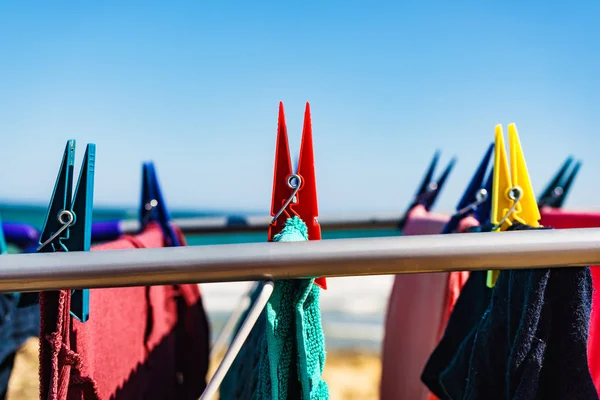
column 65, row 225
column 515, row 195
column 294, row 182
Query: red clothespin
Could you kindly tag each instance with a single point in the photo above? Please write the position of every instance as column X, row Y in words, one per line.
column 295, row 193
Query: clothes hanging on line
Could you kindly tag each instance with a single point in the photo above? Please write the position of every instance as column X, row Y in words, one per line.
column 140, row 342
column 412, row 332
column 19, row 320
column 530, row 342
column 563, row 219
column 284, row 355
column 466, row 314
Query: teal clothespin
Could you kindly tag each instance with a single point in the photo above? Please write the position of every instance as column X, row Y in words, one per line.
column 68, row 224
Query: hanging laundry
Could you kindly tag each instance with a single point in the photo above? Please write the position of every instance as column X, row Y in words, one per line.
column 420, row 304
column 140, row 343
column 531, row 342
column 418, row 309
column 284, row 356
column 466, row 314
column 563, row 219
column 19, row 322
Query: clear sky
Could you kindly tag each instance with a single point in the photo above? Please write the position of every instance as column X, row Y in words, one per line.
column 195, row 87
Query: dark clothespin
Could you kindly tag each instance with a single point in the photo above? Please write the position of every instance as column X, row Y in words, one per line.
column 295, row 194
column 483, row 213
column 429, row 190
column 153, row 207
column 68, row 223
column 475, row 194
column 556, row 192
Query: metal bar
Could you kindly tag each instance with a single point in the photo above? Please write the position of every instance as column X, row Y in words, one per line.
column 233, row 224
column 331, row 258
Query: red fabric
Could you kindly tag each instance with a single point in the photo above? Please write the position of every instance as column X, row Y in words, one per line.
column 560, row 219
column 418, row 311
column 139, row 343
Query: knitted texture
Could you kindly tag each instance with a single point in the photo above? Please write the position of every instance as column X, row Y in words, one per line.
column 284, row 356
column 530, row 342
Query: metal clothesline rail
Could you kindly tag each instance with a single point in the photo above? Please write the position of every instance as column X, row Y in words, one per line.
column 235, row 224
column 331, row 258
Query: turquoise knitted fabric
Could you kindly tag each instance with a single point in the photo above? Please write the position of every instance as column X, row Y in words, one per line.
column 284, row 355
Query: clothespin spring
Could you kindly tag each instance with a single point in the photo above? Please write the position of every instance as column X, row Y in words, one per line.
column 148, row 207
column 480, row 198
column 294, row 182
column 515, row 195
column 65, row 225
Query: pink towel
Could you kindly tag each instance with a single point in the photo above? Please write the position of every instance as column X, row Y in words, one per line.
column 418, row 310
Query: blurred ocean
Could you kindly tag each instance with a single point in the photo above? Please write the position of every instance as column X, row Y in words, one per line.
column 353, row 308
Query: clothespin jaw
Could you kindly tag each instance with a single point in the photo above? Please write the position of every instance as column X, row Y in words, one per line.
column 429, row 189
column 431, row 198
column 566, row 187
column 484, row 211
column 60, row 200
column 281, row 174
column 427, row 184
column 548, row 194
column 288, row 199
column 79, row 236
column 557, row 190
column 474, row 196
column 513, row 198
column 153, row 207
column 307, row 206
column 68, row 224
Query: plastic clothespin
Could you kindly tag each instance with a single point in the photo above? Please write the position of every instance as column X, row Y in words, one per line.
column 513, row 199
column 295, row 193
column 566, row 187
column 68, row 223
column 429, row 189
column 474, row 196
column 153, row 207
column 483, row 212
column 557, row 190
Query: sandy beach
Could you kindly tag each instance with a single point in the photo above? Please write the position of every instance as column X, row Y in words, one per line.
column 350, row 375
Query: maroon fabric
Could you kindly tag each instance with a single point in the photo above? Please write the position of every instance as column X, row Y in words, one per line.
column 139, row 343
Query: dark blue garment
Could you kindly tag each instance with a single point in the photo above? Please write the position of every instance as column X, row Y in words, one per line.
column 467, row 312
column 530, row 342
column 19, row 320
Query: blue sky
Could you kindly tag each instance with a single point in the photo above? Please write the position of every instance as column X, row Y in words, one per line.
column 195, row 87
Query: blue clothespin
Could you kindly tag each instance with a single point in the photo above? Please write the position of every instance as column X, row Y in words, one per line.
column 429, row 189
column 556, row 192
column 475, row 194
column 153, row 207
column 566, row 187
column 68, row 224
column 483, row 213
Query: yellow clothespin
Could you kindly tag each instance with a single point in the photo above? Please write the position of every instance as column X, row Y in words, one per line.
column 513, row 199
